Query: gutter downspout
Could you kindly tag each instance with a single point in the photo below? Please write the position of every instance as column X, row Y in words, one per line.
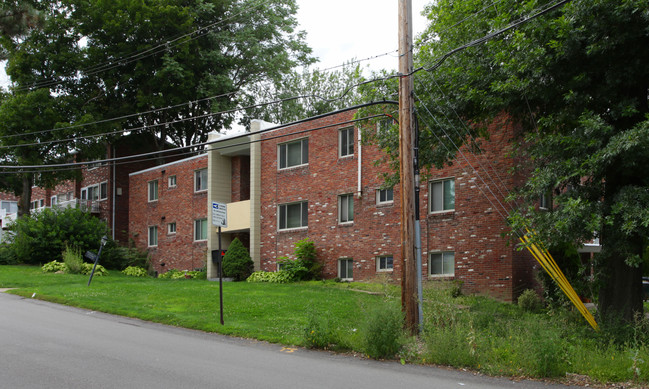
column 359, row 191
column 114, row 189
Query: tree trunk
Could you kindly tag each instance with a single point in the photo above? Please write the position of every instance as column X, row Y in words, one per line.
column 26, row 196
column 620, row 294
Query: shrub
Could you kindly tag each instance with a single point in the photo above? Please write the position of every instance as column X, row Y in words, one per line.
column 383, row 334
column 295, row 268
column 237, row 262
column 43, row 235
column 279, row 277
column 86, row 269
column 135, row 271
column 72, row 258
column 305, row 253
column 7, row 255
column 175, row 274
column 54, row 266
column 529, row 301
column 119, row 258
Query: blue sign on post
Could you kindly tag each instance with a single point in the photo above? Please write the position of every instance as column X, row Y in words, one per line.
column 219, row 214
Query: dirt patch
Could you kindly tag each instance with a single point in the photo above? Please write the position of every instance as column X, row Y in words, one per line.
column 2, row 290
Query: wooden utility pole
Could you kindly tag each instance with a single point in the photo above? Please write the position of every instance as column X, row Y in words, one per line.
column 406, row 145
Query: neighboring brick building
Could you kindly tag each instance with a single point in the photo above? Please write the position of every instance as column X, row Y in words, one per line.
column 323, row 185
column 168, row 215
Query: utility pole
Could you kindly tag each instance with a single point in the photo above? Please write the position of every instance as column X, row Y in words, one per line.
column 407, row 176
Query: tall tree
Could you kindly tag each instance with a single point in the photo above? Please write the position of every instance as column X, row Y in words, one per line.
column 575, row 80
column 16, row 19
column 178, row 62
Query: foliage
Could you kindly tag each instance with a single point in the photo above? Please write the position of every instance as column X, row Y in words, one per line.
column 44, row 235
column 319, row 333
column 54, row 266
column 305, row 265
column 175, row 274
column 135, row 271
column 529, row 301
column 237, row 262
column 72, row 259
column 278, row 277
column 7, row 255
column 86, row 269
column 382, row 333
column 129, row 60
column 119, row 258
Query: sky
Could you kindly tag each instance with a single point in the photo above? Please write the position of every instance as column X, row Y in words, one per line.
column 341, row 30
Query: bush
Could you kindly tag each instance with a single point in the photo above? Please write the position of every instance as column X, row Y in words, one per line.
column 119, row 258
column 383, row 334
column 279, row 277
column 295, row 268
column 305, row 253
column 72, row 258
column 529, row 301
column 7, row 255
column 237, row 262
column 135, row 271
column 86, row 269
column 54, row 266
column 175, row 274
column 44, row 235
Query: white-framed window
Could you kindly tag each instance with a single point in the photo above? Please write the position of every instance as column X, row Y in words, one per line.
column 294, row 153
column 95, row 192
column 9, row 206
column 153, row 236
column 200, row 180
column 346, row 208
column 171, row 228
column 153, row 190
column 293, row 215
column 53, row 200
column 385, row 196
column 384, row 263
column 441, row 263
column 346, row 142
column 442, row 195
column 37, row 204
column 200, row 229
column 346, row 269
column 171, row 182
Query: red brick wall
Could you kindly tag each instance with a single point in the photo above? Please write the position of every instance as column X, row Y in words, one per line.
column 484, row 262
column 180, row 205
column 240, row 178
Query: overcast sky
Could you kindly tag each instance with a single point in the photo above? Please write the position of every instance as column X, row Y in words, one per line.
column 341, row 30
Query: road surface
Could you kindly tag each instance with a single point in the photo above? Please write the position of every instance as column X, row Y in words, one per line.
column 44, row 345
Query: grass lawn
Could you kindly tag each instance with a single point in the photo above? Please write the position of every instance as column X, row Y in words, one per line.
column 468, row 332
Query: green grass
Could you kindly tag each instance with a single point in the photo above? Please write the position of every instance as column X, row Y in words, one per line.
column 468, row 332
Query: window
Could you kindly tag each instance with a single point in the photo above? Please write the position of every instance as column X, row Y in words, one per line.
column 9, row 206
column 385, row 263
column 293, row 153
column 95, row 192
column 103, row 190
column 200, row 180
column 172, row 181
column 153, row 236
column 346, row 269
column 346, row 208
column 442, row 195
column 346, row 141
column 153, row 190
column 200, row 229
column 442, row 264
column 385, row 196
column 41, row 203
column 53, row 201
column 293, row 215
column 545, row 202
column 171, row 228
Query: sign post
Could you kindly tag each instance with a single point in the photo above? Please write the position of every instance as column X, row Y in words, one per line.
column 220, row 219
column 95, row 257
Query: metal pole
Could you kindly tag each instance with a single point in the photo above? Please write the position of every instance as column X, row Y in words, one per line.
column 104, row 239
column 220, row 269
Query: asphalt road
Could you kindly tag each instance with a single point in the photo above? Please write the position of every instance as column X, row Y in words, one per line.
column 44, row 345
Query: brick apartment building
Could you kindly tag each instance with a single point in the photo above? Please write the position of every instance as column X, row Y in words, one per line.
column 103, row 188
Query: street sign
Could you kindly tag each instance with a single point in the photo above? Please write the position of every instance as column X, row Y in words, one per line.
column 219, row 214
column 90, row 255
